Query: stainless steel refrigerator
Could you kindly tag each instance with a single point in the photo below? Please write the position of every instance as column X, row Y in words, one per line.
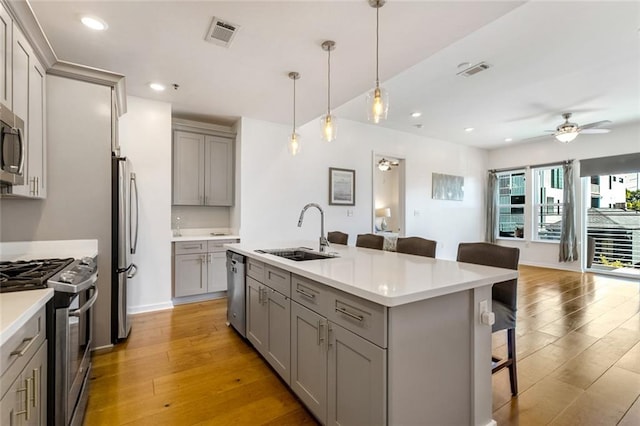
column 124, row 239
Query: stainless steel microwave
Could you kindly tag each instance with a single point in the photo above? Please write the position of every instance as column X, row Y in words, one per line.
column 12, row 148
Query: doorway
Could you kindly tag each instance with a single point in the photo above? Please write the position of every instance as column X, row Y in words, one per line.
column 388, row 210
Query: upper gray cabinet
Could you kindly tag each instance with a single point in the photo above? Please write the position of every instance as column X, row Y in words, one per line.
column 202, row 166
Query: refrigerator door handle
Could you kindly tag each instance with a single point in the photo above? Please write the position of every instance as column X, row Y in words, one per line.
column 133, row 235
column 133, row 270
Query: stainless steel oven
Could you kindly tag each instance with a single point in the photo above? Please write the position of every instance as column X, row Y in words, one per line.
column 12, row 148
column 74, row 297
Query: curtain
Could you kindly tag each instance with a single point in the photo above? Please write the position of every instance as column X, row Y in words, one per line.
column 492, row 206
column 568, row 242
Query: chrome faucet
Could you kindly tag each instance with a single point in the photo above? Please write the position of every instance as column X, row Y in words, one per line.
column 324, row 243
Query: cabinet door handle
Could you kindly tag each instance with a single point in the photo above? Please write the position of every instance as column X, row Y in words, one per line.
column 320, row 337
column 27, row 391
column 329, row 335
column 210, row 258
column 24, row 346
column 349, row 314
column 304, row 293
column 194, row 247
column 36, row 387
column 260, row 295
column 37, row 185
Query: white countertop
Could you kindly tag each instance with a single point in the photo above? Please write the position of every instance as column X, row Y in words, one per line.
column 384, row 277
column 17, row 307
column 203, row 234
column 28, row 250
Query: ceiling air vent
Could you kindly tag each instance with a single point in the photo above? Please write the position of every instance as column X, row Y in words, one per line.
column 221, row 32
column 474, row 69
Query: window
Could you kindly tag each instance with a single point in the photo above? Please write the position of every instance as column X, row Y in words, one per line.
column 511, row 198
column 548, row 203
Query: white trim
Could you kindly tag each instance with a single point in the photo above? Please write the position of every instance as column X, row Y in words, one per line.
column 134, row 310
column 199, row 297
column 22, row 15
column 554, row 265
column 102, row 347
column 202, row 127
column 492, row 423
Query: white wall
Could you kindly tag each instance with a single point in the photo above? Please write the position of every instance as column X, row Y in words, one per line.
column 145, row 137
column 275, row 186
column 622, row 140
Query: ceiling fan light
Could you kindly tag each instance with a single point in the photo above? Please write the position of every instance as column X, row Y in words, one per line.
column 384, row 165
column 329, row 127
column 566, row 137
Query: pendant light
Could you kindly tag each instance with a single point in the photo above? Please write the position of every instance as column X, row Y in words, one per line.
column 378, row 98
column 328, row 123
column 294, row 139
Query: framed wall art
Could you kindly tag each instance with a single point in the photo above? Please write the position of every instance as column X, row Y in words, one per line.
column 447, row 187
column 342, row 187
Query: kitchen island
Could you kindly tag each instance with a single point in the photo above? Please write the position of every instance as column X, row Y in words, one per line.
column 375, row 337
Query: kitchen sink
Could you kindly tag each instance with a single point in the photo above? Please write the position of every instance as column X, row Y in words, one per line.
column 298, row 253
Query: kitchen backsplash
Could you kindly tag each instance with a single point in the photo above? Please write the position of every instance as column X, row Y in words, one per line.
column 200, row 217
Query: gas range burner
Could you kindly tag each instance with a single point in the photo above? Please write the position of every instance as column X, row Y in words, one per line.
column 29, row 274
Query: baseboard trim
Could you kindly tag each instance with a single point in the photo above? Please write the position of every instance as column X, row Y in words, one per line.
column 150, row 308
column 552, row 266
column 492, row 423
column 199, row 298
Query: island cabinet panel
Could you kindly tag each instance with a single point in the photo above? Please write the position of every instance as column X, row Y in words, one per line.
column 356, row 380
column 309, row 359
column 365, row 318
column 338, row 374
column 269, row 325
column 257, row 332
column 255, row 270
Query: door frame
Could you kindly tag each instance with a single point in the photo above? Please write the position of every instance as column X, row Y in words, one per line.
column 375, row 155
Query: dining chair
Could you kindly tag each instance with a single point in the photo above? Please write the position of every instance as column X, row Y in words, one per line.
column 371, row 241
column 503, row 295
column 416, row 245
column 337, row 237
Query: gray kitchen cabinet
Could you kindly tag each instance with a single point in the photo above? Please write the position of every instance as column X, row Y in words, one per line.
column 6, row 25
column 190, row 274
column 356, row 379
column 23, row 384
column 338, row 373
column 309, row 359
column 28, row 103
column 269, row 324
column 199, row 267
column 202, row 169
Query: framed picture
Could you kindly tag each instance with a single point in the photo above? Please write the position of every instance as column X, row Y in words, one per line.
column 447, row 187
column 342, row 187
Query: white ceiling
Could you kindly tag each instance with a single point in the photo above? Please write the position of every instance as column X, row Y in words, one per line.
column 547, row 57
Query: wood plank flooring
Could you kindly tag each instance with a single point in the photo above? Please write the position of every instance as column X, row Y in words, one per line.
column 578, row 349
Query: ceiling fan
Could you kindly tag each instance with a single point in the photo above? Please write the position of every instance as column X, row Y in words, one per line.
column 385, row 165
column 566, row 132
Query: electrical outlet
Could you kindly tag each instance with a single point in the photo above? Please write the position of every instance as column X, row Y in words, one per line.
column 349, row 212
column 416, row 213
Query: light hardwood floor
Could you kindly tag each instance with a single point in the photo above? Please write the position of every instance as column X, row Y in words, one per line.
column 578, row 352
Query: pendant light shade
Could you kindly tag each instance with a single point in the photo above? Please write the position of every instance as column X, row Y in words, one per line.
column 294, row 138
column 328, row 122
column 378, row 98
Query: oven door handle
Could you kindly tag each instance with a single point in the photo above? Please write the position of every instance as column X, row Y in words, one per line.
column 88, row 304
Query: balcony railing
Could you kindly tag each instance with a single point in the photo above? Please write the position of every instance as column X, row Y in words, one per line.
column 613, row 240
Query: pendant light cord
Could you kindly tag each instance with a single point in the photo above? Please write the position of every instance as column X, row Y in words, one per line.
column 294, row 105
column 377, row 42
column 329, row 81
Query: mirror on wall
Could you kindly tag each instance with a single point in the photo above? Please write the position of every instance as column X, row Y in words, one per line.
column 388, row 194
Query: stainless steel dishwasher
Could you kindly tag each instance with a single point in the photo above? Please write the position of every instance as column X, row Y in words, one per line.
column 235, row 292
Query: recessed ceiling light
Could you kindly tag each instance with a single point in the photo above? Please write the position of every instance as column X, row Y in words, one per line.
column 508, row 139
column 94, row 23
column 416, row 114
column 419, row 126
column 157, row 87
column 469, row 129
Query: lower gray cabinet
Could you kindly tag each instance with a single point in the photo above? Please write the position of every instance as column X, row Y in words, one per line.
column 190, row 274
column 339, row 376
column 309, row 359
column 356, row 379
column 268, row 325
column 25, row 403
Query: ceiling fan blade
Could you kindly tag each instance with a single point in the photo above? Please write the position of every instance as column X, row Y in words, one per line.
column 594, row 131
column 596, row 124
